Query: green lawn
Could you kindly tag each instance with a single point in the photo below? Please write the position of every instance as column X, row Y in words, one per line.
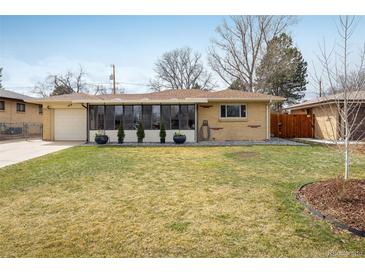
column 170, row 202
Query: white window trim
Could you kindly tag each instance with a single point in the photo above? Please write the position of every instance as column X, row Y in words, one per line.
column 230, row 118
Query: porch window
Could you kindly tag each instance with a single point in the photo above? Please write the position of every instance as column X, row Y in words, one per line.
column 191, row 117
column 109, row 117
column 128, row 117
column 96, row 117
column 137, row 115
column 156, row 117
column 233, row 111
column 118, row 116
column 165, row 116
column 147, row 116
column 187, row 117
column 175, row 117
column 2, row 105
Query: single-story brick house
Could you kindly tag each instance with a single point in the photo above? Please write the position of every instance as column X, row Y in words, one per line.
column 200, row 115
column 327, row 119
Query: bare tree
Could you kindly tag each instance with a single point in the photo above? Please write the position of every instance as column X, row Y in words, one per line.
column 241, row 45
column 181, row 69
column 344, row 81
column 100, row 90
column 355, row 81
column 58, row 84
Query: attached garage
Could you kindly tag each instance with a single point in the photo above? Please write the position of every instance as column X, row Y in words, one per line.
column 70, row 124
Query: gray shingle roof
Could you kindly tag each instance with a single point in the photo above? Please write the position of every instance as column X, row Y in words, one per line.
column 179, row 94
column 354, row 95
column 13, row 95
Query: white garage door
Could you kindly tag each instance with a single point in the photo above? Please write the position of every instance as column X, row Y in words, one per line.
column 70, row 124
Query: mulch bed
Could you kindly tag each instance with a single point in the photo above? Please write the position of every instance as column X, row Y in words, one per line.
column 339, row 200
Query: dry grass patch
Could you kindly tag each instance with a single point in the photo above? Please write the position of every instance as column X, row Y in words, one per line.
column 167, row 202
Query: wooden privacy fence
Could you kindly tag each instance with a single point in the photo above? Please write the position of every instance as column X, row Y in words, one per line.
column 292, row 125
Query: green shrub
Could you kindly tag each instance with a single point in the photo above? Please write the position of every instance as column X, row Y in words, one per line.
column 178, row 133
column 162, row 131
column 121, row 134
column 140, row 131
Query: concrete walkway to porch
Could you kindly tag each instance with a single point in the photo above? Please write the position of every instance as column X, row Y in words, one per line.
column 272, row 141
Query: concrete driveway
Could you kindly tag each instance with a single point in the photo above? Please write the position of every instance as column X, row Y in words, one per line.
column 16, row 151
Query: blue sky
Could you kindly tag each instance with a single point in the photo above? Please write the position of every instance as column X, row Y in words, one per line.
column 33, row 46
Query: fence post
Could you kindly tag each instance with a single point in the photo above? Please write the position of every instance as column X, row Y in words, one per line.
column 25, row 128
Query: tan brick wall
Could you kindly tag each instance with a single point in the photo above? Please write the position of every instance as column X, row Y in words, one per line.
column 254, row 127
column 48, row 124
column 326, row 122
column 10, row 115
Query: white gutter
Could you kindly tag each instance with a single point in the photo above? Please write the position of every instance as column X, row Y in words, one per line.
column 268, row 126
column 142, row 101
column 243, row 99
column 154, row 101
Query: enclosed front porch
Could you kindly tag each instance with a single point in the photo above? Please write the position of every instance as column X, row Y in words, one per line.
column 107, row 119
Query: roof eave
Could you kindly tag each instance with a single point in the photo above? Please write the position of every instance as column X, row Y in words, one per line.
column 246, row 99
column 43, row 101
column 143, row 101
column 311, row 105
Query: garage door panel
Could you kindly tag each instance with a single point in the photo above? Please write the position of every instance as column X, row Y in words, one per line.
column 70, row 124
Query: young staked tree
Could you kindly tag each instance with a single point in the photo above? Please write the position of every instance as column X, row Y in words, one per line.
column 346, row 113
column 181, row 69
column 282, row 70
column 240, row 45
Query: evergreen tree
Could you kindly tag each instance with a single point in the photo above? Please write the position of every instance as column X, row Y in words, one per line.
column 1, row 77
column 238, row 85
column 282, row 70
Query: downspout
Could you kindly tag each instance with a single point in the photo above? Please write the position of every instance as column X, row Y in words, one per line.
column 268, row 120
column 87, row 122
column 196, row 124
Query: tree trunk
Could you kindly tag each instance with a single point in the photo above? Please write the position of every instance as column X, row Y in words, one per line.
column 347, row 159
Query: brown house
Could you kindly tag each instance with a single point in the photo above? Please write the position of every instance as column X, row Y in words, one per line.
column 200, row 115
column 14, row 108
column 328, row 122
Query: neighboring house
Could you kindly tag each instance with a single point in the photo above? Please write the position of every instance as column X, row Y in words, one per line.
column 200, row 115
column 328, row 124
column 16, row 108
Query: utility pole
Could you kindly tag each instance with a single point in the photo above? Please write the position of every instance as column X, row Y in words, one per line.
column 320, row 88
column 113, row 78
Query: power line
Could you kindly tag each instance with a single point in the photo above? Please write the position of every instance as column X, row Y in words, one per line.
column 93, row 84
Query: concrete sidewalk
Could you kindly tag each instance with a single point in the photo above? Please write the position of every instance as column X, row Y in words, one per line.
column 327, row 142
column 16, row 151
